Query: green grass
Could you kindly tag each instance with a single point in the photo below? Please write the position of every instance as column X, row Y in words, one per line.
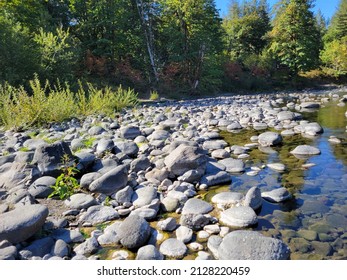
column 43, row 104
column 154, row 95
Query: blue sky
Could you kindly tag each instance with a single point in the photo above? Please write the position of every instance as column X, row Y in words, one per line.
column 328, row 7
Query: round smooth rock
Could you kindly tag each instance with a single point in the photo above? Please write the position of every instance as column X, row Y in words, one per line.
column 196, row 206
column 253, row 198
column 305, row 150
column 184, row 234
column 227, row 199
column 277, row 195
column 149, row 252
column 269, row 139
column 80, row 201
column 242, row 216
column 251, row 245
column 173, row 248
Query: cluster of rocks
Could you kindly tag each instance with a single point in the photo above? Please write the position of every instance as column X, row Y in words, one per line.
column 150, row 161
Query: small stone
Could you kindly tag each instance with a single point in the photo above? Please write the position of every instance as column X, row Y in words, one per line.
column 149, row 252
column 168, row 224
column 277, row 195
column 173, row 248
column 184, row 234
column 242, row 216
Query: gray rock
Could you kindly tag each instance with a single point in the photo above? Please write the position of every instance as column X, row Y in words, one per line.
column 149, row 252
column 226, row 200
column 168, row 224
column 85, row 159
column 80, row 201
column 276, row 166
column 49, row 158
column 184, row 234
column 134, row 232
column 88, row 247
column 251, row 245
column 8, row 158
column 213, row 244
column 148, row 214
column 253, row 198
column 130, row 132
column 7, row 251
column 41, row 188
column 32, row 144
column 242, row 216
column 269, row 139
column 220, row 154
column 111, row 182
column 214, row 145
column 191, row 176
column 285, row 116
column 202, row 256
column 69, row 236
column 98, row 214
column 124, row 195
column 60, row 249
column 156, row 176
column 24, row 157
column 96, row 130
column 21, row 223
column 173, row 248
column 169, row 204
column 277, row 195
column 159, row 135
column 143, row 196
column 13, row 174
column 89, row 178
column 110, row 235
column 104, row 145
column 139, row 164
column 220, row 178
column 305, row 150
column 185, row 158
column 128, row 148
column 310, row 105
column 196, row 206
column 194, row 221
column 40, row 247
column 233, row 165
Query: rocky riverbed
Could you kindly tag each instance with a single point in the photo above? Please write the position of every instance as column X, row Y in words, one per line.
column 161, row 182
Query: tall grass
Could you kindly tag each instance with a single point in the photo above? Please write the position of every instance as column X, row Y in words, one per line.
column 44, row 104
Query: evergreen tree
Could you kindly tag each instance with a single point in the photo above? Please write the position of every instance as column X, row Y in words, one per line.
column 295, row 37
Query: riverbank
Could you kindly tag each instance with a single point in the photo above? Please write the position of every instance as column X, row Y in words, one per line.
column 145, row 182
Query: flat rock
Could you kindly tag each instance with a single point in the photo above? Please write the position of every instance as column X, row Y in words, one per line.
column 21, row 223
column 226, row 200
column 173, row 248
column 214, row 144
column 111, row 182
column 42, row 187
column 233, row 165
column 220, row 178
column 305, row 150
column 276, row 166
column 80, row 201
column 242, row 216
column 196, row 206
column 134, row 232
column 98, row 214
column 251, row 245
column 277, row 195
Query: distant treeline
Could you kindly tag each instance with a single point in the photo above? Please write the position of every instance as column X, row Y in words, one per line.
column 171, row 46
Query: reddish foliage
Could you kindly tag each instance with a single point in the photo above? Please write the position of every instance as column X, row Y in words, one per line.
column 96, row 65
column 233, row 70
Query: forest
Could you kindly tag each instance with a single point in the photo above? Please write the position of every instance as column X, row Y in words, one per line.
column 172, row 47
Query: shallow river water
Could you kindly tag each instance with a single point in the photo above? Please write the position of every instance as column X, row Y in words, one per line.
column 314, row 222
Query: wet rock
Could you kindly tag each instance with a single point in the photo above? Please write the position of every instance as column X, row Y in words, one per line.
column 98, row 214
column 21, row 223
column 185, row 158
column 173, row 248
column 88, row 247
column 310, row 105
column 277, row 195
column 242, row 216
column 269, row 139
column 250, row 245
column 220, row 178
column 300, row 245
column 276, row 166
column 184, row 234
column 305, row 150
column 233, row 165
column 149, row 252
column 134, row 232
column 225, row 200
column 322, row 248
column 309, row 235
column 111, row 182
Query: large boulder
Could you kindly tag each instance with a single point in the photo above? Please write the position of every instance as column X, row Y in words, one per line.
column 233, row 165
column 111, row 182
column 305, row 150
column 13, row 174
column 185, row 158
column 49, row 158
column 134, row 232
column 23, row 222
column 251, row 245
column 42, row 187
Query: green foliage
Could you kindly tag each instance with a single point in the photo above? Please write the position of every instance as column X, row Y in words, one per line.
column 295, row 37
column 58, row 53
column 65, row 185
column 46, row 104
column 154, row 95
column 334, row 57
